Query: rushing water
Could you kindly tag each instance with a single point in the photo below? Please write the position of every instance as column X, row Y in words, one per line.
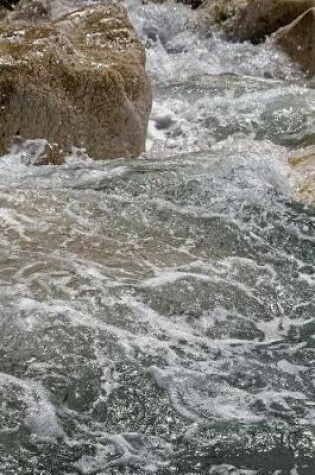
column 157, row 316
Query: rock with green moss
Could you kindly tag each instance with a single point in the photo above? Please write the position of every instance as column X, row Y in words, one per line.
column 78, row 81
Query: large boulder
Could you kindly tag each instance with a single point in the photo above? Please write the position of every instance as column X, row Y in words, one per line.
column 259, row 18
column 298, row 40
column 78, row 81
column 253, row 20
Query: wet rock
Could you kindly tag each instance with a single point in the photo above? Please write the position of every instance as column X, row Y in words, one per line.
column 78, row 81
column 192, row 3
column 9, row 4
column 303, row 167
column 221, row 12
column 52, row 155
column 28, row 10
column 37, row 152
column 163, row 121
column 6, row 7
column 298, row 40
column 253, row 20
column 259, row 18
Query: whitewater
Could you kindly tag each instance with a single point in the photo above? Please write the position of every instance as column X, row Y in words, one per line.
column 157, row 315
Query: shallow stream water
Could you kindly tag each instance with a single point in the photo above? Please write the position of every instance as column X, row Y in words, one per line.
column 157, row 316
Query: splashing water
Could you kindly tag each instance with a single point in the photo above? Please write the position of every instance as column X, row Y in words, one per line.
column 157, row 315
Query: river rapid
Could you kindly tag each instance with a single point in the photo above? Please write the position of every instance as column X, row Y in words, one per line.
column 157, row 315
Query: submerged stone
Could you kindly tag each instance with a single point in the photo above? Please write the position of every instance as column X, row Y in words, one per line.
column 78, row 81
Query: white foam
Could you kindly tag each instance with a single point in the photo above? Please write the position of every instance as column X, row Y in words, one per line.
column 40, row 415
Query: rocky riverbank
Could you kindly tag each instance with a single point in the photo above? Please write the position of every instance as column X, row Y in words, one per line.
column 79, row 80
column 238, row 20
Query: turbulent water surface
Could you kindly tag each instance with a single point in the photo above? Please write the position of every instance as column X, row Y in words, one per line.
column 157, row 316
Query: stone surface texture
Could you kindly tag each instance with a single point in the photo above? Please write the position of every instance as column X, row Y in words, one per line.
column 298, row 40
column 78, row 81
column 303, row 167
